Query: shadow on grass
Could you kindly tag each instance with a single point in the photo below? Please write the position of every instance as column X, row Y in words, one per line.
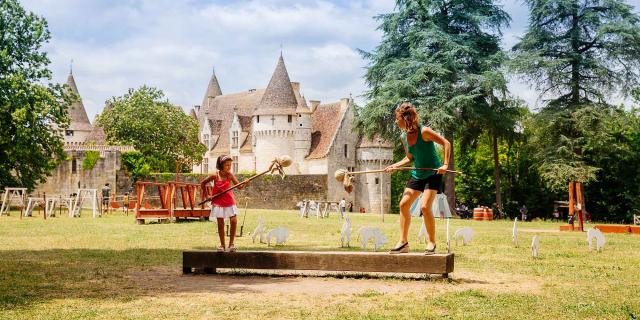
column 31, row 277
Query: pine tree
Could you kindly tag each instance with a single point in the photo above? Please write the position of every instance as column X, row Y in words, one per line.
column 438, row 54
column 578, row 54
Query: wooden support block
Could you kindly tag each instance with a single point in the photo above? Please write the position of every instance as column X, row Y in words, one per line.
column 319, row 260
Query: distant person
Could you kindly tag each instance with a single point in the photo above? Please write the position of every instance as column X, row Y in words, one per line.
column 106, row 190
column 350, row 206
column 556, row 215
column 343, row 207
column 523, row 213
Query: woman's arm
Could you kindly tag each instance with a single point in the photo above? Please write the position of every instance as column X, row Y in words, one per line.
column 405, row 161
column 428, row 134
column 208, row 179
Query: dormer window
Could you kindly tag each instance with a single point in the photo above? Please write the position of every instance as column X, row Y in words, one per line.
column 68, row 133
column 234, row 139
column 205, row 140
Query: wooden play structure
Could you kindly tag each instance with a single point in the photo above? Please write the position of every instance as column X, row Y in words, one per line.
column 15, row 197
column 482, row 214
column 576, row 207
column 209, row 261
column 175, row 200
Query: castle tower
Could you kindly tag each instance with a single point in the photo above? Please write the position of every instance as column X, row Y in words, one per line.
column 213, row 90
column 79, row 125
column 302, row 135
column 273, row 120
column 374, row 189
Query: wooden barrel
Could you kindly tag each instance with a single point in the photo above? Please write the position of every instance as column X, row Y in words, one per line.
column 478, row 214
column 488, row 214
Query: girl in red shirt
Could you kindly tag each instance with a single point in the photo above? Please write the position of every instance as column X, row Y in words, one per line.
column 224, row 206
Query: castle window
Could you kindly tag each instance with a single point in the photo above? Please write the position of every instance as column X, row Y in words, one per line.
column 257, row 119
column 205, row 140
column 301, row 124
column 299, row 115
column 273, row 120
column 235, row 164
column 346, row 149
column 74, row 165
column 205, row 165
column 234, row 140
column 377, row 180
column 289, row 118
column 68, row 133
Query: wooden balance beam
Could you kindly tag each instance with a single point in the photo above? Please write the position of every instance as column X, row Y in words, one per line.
column 209, row 261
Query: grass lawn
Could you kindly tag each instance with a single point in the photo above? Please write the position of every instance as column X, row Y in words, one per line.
column 109, row 267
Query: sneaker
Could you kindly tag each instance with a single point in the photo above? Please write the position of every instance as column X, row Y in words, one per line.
column 220, row 248
column 232, row 248
column 404, row 248
column 430, row 251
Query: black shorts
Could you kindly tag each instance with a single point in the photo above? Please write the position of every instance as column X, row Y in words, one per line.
column 433, row 182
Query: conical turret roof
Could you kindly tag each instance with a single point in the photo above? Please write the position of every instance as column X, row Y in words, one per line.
column 213, row 90
column 279, row 97
column 77, row 114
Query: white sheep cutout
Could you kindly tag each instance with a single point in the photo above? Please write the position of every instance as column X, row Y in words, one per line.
column 535, row 243
column 280, row 233
column 345, row 232
column 422, row 234
column 367, row 233
column 258, row 231
column 465, row 233
column 595, row 233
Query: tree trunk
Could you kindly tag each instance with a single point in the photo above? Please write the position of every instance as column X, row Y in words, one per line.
column 496, row 171
column 449, row 180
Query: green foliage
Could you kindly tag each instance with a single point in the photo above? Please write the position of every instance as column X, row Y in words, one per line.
column 135, row 164
column 577, row 54
column 29, row 149
column 162, row 132
column 90, row 159
column 440, row 55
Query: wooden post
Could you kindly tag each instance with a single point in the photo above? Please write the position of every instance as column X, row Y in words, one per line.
column 571, row 202
column 580, row 208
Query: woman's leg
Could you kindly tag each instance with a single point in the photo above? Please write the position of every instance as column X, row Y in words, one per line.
column 427, row 215
column 408, row 197
column 221, row 231
column 232, row 233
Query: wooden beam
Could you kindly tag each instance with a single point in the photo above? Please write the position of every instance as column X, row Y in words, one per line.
column 209, row 261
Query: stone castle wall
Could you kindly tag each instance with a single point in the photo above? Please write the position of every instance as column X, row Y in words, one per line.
column 267, row 192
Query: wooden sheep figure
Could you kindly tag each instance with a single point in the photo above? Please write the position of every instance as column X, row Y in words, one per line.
column 595, row 233
column 422, row 234
column 258, row 231
column 345, row 232
column 514, row 233
column 535, row 243
column 465, row 233
column 367, row 233
column 280, row 233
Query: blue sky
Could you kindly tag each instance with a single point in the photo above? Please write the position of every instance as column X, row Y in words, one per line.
column 173, row 45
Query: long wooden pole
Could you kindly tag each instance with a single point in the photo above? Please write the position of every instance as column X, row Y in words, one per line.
column 401, row 169
column 236, row 186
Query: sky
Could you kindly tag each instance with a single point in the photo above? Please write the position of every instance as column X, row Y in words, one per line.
column 175, row 45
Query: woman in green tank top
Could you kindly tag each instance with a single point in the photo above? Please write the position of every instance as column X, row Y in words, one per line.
column 419, row 146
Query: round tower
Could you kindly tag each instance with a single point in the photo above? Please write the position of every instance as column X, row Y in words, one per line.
column 374, row 189
column 302, row 135
column 274, row 120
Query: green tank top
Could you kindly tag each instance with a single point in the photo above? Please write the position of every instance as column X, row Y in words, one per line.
column 424, row 156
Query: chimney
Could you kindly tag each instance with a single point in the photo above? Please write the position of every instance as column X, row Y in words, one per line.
column 314, row 104
column 295, row 86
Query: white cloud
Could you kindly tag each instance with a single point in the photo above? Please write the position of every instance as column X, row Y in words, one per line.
column 173, row 45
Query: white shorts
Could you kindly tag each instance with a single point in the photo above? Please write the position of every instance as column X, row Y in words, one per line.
column 223, row 212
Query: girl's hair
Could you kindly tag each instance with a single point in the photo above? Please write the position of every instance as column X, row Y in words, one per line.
column 408, row 113
column 221, row 160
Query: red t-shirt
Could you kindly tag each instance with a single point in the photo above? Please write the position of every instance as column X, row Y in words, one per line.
column 225, row 200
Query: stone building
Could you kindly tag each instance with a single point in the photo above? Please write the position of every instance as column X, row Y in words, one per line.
column 257, row 125
column 80, row 138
